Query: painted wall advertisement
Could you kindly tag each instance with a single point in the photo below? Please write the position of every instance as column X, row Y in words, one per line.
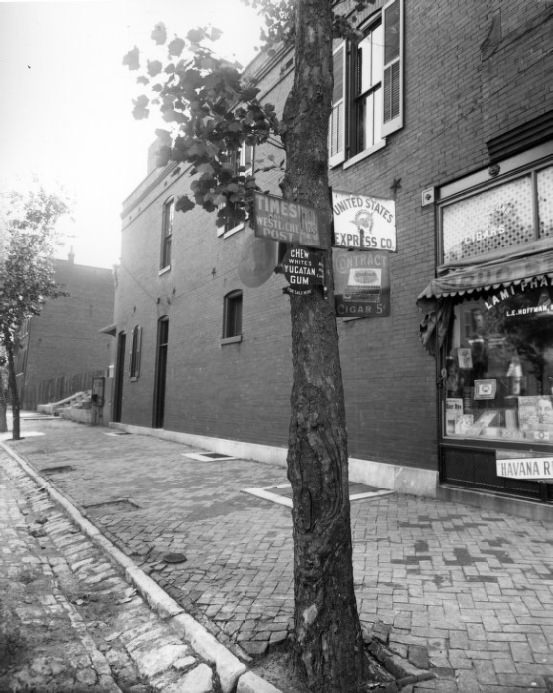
column 363, row 222
column 361, row 283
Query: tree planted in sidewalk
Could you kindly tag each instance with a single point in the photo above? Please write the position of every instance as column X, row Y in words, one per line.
column 27, row 238
column 214, row 111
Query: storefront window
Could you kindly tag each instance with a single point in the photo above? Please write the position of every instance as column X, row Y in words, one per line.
column 501, row 217
column 498, row 370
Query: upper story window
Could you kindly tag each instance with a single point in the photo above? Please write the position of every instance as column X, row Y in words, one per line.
column 507, row 215
column 368, row 88
column 136, row 348
column 242, row 165
column 232, row 317
column 167, row 233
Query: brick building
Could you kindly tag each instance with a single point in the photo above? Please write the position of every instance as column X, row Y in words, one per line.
column 62, row 348
column 447, row 113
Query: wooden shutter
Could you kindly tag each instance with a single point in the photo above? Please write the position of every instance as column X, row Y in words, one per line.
column 337, row 130
column 392, row 19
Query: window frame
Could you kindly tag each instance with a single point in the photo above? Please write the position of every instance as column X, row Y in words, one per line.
column 168, row 217
column 242, row 167
column 135, row 353
column 233, row 310
column 531, row 171
column 343, row 138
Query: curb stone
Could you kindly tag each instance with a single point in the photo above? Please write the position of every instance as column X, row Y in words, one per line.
column 230, row 669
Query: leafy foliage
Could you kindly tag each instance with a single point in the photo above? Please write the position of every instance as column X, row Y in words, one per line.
column 212, row 111
column 27, row 275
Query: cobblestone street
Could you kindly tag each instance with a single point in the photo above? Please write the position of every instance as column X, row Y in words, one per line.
column 463, row 592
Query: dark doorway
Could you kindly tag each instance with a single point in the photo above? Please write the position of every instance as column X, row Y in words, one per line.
column 161, row 372
column 119, row 373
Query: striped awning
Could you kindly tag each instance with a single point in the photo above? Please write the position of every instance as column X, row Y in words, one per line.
column 514, row 268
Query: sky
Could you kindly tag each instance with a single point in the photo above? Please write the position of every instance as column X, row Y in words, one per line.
column 66, row 101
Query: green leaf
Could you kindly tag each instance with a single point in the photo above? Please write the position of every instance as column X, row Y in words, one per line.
column 215, row 34
column 184, row 204
column 176, row 46
column 132, row 59
column 154, row 67
column 196, row 35
column 159, row 33
column 250, row 93
column 140, row 110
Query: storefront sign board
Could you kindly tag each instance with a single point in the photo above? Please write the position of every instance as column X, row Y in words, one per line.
column 361, row 283
column 525, row 468
column 363, row 222
column 289, row 222
column 303, row 270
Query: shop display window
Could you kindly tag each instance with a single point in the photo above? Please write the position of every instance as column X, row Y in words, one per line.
column 497, row 372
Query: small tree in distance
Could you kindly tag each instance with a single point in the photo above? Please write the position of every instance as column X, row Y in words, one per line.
column 26, row 271
column 213, row 111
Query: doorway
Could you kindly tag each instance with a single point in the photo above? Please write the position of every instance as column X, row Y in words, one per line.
column 119, row 373
column 161, row 372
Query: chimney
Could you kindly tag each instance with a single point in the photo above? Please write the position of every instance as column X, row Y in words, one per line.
column 71, row 256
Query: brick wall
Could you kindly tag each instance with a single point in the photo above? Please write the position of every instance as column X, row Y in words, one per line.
column 64, row 340
column 469, row 75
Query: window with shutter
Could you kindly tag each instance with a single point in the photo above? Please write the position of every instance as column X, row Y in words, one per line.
column 368, row 88
column 393, row 82
column 167, row 233
column 337, row 148
column 242, row 162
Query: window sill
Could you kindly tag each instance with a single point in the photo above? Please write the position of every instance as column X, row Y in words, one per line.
column 231, row 340
column 363, row 155
column 164, row 270
column 231, row 232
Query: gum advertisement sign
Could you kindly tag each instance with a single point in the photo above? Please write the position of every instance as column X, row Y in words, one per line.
column 361, row 283
column 303, row 270
column 363, row 222
column 289, row 222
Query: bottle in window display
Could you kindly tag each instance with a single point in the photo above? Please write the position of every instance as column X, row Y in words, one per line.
column 478, row 344
column 454, row 379
column 514, row 373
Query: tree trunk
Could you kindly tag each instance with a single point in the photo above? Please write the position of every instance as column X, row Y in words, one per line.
column 12, row 383
column 3, row 407
column 328, row 645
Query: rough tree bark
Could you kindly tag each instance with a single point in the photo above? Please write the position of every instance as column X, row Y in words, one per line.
column 12, row 383
column 328, row 645
column 3, row 407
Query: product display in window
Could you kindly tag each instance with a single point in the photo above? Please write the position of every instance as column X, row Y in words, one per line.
column 498, row 370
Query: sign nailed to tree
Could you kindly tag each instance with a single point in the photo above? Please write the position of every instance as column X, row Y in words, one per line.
column 361, row 283
column 288, row 222
column 303, row 270
column 363, row 222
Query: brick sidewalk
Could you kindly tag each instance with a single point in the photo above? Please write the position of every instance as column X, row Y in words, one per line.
column 466, row 592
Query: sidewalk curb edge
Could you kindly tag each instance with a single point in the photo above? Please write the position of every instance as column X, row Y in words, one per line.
column 229, row 668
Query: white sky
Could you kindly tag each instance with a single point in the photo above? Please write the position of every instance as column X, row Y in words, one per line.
column 66, row 100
